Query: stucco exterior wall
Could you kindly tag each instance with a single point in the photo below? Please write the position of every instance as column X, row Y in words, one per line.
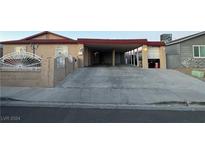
column 85, row 55
column 162, row 55
column 47, row 74
column 46, row 51
column 62, row 72
column 20, row 78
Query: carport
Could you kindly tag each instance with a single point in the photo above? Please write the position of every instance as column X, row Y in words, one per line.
column 117, row 51
column 108, row 51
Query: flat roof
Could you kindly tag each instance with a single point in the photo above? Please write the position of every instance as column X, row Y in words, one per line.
column 120, row 45
column 88, row 41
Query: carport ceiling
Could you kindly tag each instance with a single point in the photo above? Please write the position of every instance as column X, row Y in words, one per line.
column 107, row 45
column 108, row 48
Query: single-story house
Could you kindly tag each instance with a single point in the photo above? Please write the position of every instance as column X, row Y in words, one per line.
column 186, row 52
column 45, row 48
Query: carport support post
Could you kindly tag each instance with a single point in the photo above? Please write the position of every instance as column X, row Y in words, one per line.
column 133, row 57
column 113, row 57
column 144, row 56
column 130, row 52
column 137, row 58
column 162, row 55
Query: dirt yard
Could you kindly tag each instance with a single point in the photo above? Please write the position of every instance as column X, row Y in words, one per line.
column 189, row 70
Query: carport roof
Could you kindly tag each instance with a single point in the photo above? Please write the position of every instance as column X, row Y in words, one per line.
column 111, row 41
column 88, row 41
column 121, row 45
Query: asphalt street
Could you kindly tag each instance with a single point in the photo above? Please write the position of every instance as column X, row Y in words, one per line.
column 77, row 115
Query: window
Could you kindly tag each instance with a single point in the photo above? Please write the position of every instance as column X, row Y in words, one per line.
column 196, row 51
column 199, row 51
column 62, row 50
column 202, row 51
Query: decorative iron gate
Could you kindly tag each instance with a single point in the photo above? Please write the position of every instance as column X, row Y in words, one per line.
column 20, row 61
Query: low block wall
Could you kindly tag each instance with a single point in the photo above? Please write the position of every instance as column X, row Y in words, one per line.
column 20, row 78
column 48, row 75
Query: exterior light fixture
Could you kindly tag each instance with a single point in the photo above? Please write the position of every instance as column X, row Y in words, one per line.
column 145, row 49
column 80, row 52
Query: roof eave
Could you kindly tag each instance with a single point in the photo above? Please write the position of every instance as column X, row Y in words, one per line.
column 39, row 42
column 185, row 38
column 45, row 32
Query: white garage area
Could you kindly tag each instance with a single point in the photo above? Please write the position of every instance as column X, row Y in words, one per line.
column 153, row 57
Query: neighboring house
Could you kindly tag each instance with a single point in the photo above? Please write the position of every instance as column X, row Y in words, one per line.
column 186, row 52
column 45, row 49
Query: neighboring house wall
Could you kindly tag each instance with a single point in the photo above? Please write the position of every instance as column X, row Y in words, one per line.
column 181, row 54
column 173, row 56
column 187, row 53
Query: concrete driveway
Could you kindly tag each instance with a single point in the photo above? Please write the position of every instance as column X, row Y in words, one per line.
column 113, row 87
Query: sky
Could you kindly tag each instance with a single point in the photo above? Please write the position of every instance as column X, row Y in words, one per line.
column 150, row 35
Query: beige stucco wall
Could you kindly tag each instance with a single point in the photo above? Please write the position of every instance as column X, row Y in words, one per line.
column 47, row 73
column 87, row 57
column 144, row 56
column 162, row 55
column 20, row 78
column 48, row 50
column 62, row 72
column 45, row 50
column 47, row 53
